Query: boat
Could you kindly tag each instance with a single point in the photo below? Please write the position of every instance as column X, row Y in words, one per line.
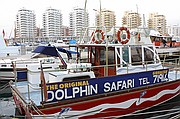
column 17, row 68
column 6, row 50
column 167, row 45
column 119, row 77
column 59, row 43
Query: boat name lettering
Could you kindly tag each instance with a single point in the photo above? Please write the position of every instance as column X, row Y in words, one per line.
column 119, row 85
column 67, row 85
column 78, row 89
column 74, row 92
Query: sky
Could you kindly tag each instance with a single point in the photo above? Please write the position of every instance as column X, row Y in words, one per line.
column 9, row 9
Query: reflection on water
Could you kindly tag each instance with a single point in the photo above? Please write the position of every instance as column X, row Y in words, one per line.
column 7, row 107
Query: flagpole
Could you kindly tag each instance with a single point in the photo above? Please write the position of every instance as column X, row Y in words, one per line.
column 14, row 71
column 43, row 85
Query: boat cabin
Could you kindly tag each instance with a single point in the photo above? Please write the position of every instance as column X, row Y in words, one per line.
column 116, row 58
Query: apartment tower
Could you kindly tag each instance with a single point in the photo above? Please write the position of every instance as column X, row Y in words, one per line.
column 78, row 19
column 52, row 23
column 25, row 24
column 157, row 22
column 131, row 19
column 107, row 18
column 174, row 30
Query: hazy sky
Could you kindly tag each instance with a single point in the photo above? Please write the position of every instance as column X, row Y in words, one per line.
column 9, row 9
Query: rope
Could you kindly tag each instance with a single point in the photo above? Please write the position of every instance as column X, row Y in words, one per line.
column 4, row 87
column 36, row 108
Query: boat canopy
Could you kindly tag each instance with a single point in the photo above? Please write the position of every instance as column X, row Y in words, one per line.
column 53, row 51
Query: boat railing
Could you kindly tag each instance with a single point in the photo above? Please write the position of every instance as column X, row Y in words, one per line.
column 89, row 32
column 33, row 86
column 127, row 67
column 171, row 64
column 31, row 61
column 176, row 58
column 100, row 70
column 107, row 32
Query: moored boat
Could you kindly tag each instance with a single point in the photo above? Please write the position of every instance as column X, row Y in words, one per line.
column 17, row 68
column 119, row 77
column 167, row 46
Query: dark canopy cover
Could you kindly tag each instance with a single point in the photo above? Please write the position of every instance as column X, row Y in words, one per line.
column 52, row 51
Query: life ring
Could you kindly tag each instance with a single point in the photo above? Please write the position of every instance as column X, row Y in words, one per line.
column 93, row 36
column 119, row 35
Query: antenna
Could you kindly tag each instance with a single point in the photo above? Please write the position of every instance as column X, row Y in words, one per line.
column 144, row 23
column 84, row 20
column 100, row 14
column 85, row 5
column 137, row 8
column 85, row 13
column 138, row 15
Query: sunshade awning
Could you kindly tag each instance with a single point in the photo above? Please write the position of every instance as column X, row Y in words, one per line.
column 52, row 51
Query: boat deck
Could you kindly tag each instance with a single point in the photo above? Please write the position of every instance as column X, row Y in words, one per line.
column 29, row 92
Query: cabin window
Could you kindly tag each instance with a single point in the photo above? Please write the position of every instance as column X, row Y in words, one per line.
column 92, row 55
column 97, row 55
column 148, row 56
column 103, row 56
column 136, row 55
column 125, row 52
column 111, row 56
column 76, row 78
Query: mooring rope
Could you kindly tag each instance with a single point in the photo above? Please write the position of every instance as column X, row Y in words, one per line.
column 4, row 87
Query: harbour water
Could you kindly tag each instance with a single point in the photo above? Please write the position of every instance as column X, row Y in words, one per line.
column 7, row 106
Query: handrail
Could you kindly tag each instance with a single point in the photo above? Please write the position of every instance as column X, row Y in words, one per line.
column 134, row 64
column 31, row 85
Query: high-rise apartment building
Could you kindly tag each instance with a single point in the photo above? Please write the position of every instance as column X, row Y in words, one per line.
column 157, row 22
column 107, row 18
column 78, row 19
column 173, row 30
column 52, row 23
column 25, row 24
column 131, row 19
